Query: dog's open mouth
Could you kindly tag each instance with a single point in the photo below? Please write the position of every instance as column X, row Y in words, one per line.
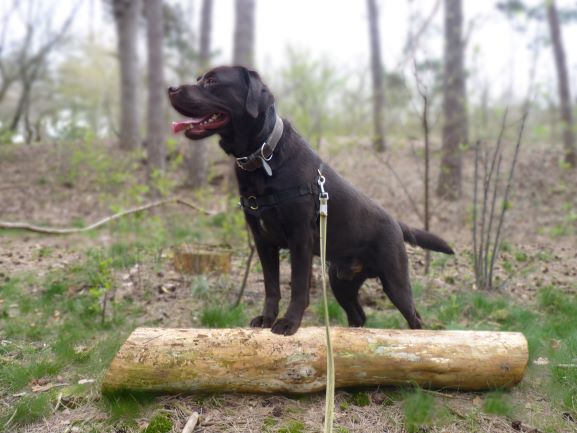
column 201, row 125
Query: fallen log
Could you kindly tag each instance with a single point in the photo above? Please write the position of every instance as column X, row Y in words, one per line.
column 256, row 360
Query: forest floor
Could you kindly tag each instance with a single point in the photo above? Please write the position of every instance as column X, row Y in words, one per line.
column 56, row 339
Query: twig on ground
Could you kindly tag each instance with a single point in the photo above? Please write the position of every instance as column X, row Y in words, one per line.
column 10, row 420
column 66, row 231
column 191, row 423
column 246, row 269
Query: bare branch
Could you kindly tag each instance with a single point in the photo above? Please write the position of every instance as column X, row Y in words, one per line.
column 505, row 204
column 402, row 184
column 66, row 231
column 415, row 39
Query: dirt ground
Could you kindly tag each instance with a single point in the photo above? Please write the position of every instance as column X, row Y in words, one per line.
column 541, row 221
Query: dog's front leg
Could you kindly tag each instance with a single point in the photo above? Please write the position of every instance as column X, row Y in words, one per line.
column 269, row 259
column 301, row 251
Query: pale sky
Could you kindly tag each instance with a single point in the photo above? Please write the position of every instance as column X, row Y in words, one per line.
column 337, row 29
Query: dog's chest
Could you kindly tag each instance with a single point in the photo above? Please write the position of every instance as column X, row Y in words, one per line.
column 269, row 226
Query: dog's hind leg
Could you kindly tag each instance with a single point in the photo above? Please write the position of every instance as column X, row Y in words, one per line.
column 397, row 286
column 346, row 290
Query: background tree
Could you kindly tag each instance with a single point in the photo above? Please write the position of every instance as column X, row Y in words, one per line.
column 126, row 15
column 243, row 50
column 555, row 17
column 26, row 61
column 454, row 102
column 562, row 84
column 155, row 139
column 377, row 78
column 197, row 173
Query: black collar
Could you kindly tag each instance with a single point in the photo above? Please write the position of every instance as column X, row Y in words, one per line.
column 264, row 153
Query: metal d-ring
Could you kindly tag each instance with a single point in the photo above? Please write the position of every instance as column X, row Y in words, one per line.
column 252, row 206
column 262, row 153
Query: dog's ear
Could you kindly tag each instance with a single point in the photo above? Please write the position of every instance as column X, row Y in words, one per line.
column 258, row 97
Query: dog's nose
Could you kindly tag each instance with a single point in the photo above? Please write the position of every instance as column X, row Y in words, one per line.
column 172, row 90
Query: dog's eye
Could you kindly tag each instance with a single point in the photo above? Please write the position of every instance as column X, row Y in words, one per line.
column 209, row 81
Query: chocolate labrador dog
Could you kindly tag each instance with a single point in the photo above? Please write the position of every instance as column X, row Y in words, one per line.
column 277, row 173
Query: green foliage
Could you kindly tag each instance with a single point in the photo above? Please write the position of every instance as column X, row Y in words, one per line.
column 418, row 408
column 200, row 287
column 219, row 316
column 86, row 84
column 336, row 313
column 160, row 423
column 392, row 320
column 307, row 94
column 126, row 406
column 497, row 403
column 292, row 426
column 27, row 410
column 360, row 399
column 231, row 225
column 268, row 424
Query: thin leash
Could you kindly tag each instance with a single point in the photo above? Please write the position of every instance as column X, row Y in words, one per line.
column 330, row 391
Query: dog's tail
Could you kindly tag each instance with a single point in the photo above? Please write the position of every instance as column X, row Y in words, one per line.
column 424, row 239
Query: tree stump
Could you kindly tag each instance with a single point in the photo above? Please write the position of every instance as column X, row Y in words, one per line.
column 256, row 360
column 194, row 259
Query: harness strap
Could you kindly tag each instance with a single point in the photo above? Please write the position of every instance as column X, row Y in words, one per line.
column 254, row 204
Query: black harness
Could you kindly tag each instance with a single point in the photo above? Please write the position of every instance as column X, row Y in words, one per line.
column 254, row 205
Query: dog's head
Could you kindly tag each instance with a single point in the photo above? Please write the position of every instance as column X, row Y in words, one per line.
column 228, row 100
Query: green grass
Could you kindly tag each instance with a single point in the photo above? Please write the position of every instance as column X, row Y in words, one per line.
column 360, row 399
column 418, row 408
column 160, row 423
column 218, row 316
column 292, row 426
column 50, row 326
column 497, row 403
column 27, row 410
column 337, row 315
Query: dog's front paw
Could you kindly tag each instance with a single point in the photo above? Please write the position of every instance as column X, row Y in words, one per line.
column 262, row 322
column 285, row 327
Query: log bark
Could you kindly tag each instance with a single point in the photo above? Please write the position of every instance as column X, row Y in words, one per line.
column 255, row 360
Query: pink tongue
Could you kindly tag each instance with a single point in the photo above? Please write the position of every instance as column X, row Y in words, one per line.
column 180, row 126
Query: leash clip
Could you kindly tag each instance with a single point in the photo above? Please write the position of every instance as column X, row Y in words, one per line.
column 323, row 196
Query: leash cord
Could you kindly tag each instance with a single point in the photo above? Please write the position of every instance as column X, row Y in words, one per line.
column 330, row 391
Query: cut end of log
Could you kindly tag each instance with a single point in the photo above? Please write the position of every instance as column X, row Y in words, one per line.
column 198, row 259
column 258, row 361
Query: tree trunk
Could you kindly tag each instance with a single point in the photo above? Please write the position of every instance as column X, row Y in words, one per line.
column 454, row 103
column 256, row 360
column 243, row 55
column 155, row 139
column 563, row 84
column 377, row 78
column 197, row 166
column 244, row 33
column 126, row 15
